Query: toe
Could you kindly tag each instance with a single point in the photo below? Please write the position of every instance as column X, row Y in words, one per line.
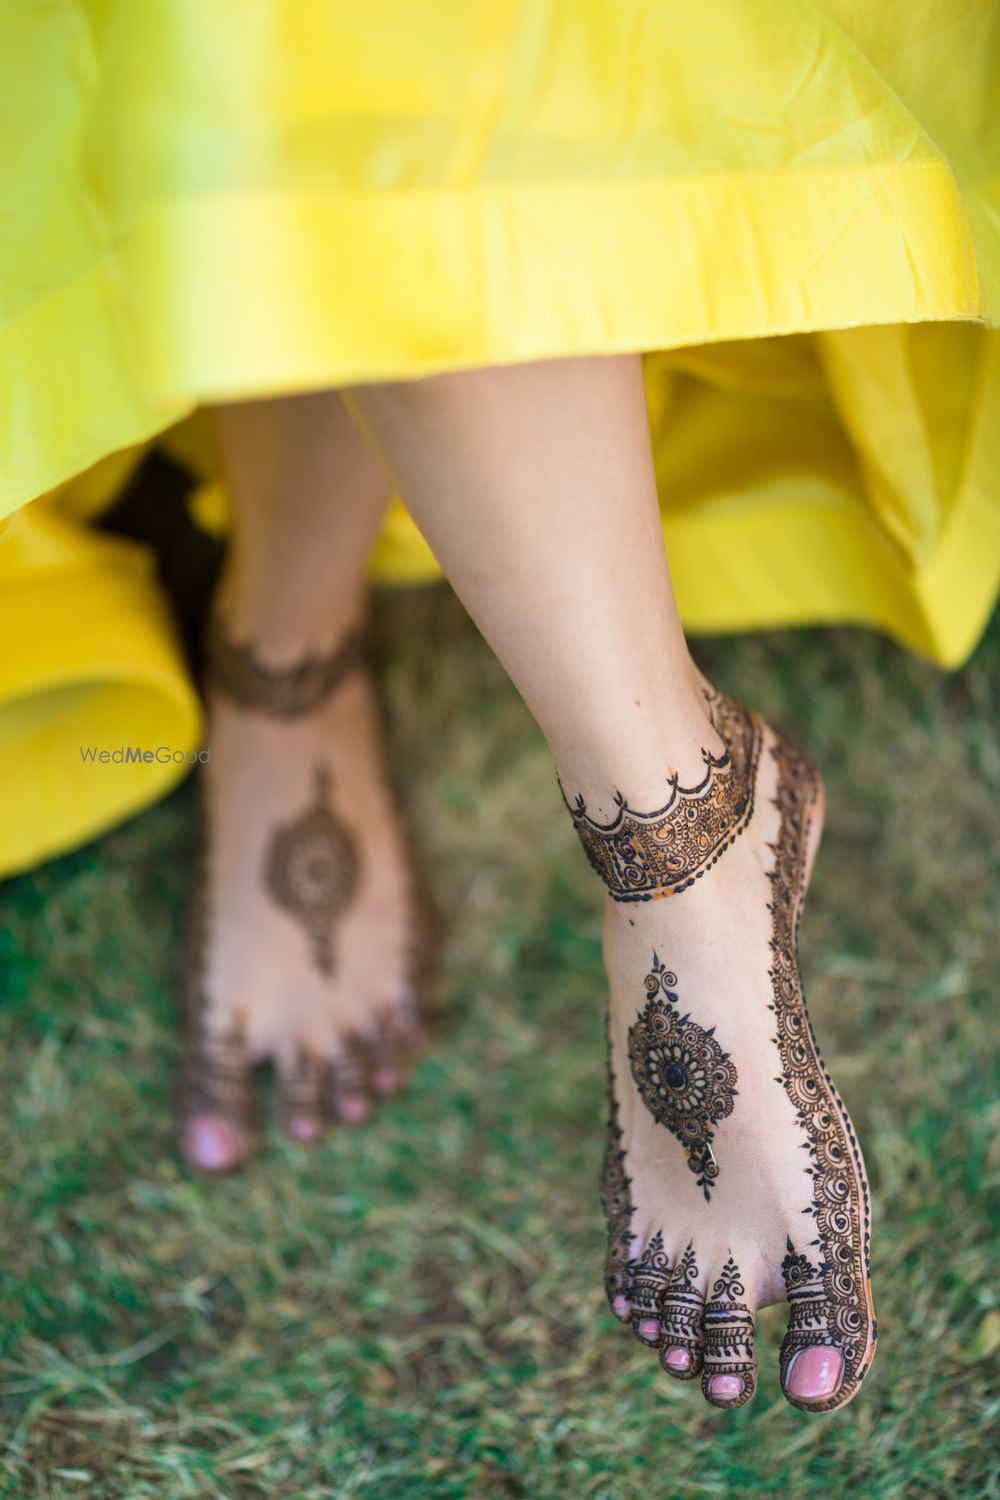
column 730, row 1374
column 388, row 1054
column 212, row 1142
column 830, row 1341
column 345, row 1085
column 681, row 1318
column 652, row 1277
column 299, row 1100
column 218, row 1105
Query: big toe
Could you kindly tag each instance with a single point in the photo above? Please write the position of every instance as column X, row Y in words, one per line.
column 815, row 1373
column 212, row 1142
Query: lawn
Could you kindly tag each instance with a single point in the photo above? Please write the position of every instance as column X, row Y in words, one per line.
column 414, row 1309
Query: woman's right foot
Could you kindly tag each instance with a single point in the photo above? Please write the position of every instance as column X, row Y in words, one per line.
column 733, row 1178
column 304, row 921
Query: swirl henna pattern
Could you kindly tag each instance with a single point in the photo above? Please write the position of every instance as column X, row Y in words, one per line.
column 681, row 1316
column 616, row 1200
column 830, row 1298
column 729, row 1337
column 650, row 1282
column 684, row 1078
column 643, row 856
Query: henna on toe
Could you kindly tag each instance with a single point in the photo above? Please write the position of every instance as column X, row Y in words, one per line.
column 682, row 1314
column 302, row 903
column 723, row 1120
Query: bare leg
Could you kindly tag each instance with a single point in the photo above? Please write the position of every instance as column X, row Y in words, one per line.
column 305, row 910
column 732, row 1176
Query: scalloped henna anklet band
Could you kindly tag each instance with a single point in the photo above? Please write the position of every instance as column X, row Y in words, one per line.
column 643, row 856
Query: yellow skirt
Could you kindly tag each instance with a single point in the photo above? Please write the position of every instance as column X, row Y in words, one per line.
column 792, row 207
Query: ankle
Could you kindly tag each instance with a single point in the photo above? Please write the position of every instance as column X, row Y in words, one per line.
column 690, row 813
column 284, row 619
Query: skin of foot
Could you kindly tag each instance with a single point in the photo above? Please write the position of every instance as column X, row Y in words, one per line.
column 304, row 918
column 733, row 1178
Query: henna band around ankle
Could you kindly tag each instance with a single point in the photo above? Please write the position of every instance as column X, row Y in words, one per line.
column 285, row 692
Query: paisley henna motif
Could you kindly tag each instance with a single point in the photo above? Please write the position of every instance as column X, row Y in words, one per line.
column 729, row 1337
column 827, row 1290
column 684, row 1078
column 641, row 856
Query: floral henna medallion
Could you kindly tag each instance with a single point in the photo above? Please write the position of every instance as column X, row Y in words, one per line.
column 729, row 1336
column 284, row 692
column 828, row 1295
column 684, row 1078
column 616, row 1200
column 311, row 871
column 681, row 1316
column 641, row 856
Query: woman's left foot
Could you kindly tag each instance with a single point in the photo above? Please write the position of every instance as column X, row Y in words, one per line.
column 733, row 1178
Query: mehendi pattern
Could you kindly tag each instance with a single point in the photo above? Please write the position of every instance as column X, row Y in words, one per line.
column 643, row 856
column 729, row 1337
column 684, row 1078
column 283, row 692
column 311, row 870
column 650, row 1282
column 828, row 1295
column 616, row 1200
column 681, row 1317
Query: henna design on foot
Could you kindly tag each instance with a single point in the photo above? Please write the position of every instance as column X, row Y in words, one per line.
column 729, row 1376
column 642, row 856
column 830, row 1300
column 684, row 1078
column 284, row 692
column 651, row 1279
column 311, row 871
column 616, row 1200
column 681, row 1318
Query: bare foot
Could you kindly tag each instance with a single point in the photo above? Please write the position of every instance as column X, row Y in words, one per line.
column 733, row 1178
column 304, row 923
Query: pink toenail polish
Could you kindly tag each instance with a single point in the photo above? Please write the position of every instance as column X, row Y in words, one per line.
column 210, row 1142
column 305, row 1128
column 649, row 1328
column 814, row 1373
column 677, row 1359
column 385, row 1080
column 621, row 1307
column 353, row 1108
column 725, row 1386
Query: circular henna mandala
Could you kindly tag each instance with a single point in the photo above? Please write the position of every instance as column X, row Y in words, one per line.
column 684, row 1078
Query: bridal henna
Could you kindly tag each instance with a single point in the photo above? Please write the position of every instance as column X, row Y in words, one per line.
column 311, row 871
column 642, row 856
column 652, row 1276
column 729, row 1342
column 681, row 1318
column 616, row 1200
column 829, row 1297
column 284, row 692
column 684, row 1078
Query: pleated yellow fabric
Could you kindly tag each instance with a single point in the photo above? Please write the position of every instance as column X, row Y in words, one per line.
column 792, row 207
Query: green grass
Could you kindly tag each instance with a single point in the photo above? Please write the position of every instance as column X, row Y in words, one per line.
column 415, row 1310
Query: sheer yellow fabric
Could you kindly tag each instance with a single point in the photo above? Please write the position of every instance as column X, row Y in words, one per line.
column 792, row 206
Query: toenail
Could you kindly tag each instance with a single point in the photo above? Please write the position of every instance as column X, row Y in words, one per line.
column 677, row 1359
column 649, row 1328
column 210, row 1142
column 353, row 1108
column 305, row 1128
column 814, row 1372
column 621, row 1307
column 385, row 1080
column 725, row 1386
